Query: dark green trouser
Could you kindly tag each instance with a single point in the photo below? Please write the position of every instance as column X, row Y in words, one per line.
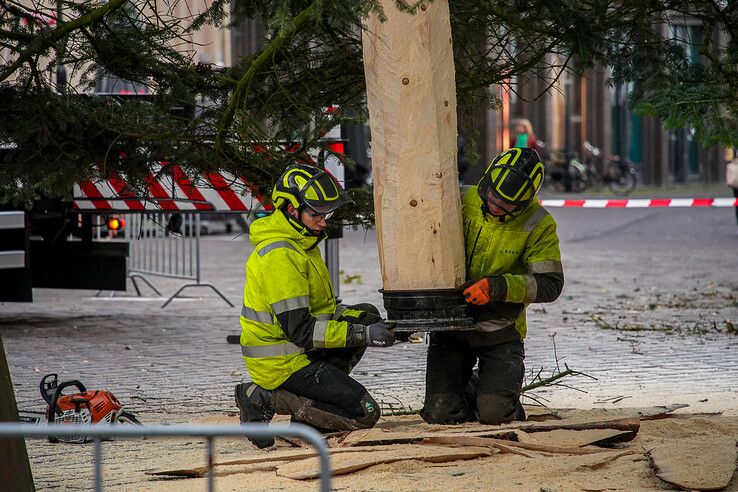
column 322, row 394
column 451, row 395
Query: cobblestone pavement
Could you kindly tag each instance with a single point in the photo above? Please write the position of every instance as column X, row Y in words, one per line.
column 647, row 314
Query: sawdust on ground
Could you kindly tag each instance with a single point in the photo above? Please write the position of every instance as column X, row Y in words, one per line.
column 626, row 466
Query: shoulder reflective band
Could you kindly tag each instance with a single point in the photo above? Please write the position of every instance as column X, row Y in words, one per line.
column 324, row 316
column 290, row 304
column 534, row 219
column 319, row 334
column 275, row 245
column 274, row 350
column 258, row 316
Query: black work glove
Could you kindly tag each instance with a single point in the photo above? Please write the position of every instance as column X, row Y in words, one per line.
column 379, row 334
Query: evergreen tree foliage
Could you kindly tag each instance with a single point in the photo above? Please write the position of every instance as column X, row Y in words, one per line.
column 205, row 117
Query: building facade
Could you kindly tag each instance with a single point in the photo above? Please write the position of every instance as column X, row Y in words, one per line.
column 588, row 109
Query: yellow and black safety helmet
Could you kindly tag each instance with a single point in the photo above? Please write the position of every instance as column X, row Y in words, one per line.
column 304, row 185
column 513, row 178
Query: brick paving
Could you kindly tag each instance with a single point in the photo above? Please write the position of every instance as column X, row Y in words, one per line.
column 672, row 337
column 652, row 325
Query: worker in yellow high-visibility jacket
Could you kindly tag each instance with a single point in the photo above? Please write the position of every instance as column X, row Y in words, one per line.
column 298, row 344
column 512, row 260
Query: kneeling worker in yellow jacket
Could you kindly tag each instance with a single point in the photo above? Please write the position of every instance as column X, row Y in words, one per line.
column 512, row 260
column 298, row 344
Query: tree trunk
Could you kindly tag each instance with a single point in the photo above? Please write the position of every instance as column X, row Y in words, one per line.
column 411, row 92
column 15, row 469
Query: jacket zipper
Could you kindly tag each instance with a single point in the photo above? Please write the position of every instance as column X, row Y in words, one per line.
column 474, row 248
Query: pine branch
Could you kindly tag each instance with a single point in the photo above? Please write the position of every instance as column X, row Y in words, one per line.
column 16, row 36
column 552, row 379
column 244, row 84
column 48, row 38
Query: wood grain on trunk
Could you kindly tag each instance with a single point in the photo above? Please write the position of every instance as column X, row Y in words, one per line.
column 411, row 95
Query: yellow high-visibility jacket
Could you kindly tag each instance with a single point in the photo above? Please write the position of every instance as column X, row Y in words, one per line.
column 288, row 303
column 521, row 257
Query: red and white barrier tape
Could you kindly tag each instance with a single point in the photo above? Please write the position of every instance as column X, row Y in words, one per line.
column 642, row 203
column 217, row 191
column 174, row 191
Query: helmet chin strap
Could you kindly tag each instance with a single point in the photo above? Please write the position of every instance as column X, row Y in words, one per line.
column 299, row 225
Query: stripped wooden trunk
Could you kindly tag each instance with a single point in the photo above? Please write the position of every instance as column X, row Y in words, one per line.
column 411, row 92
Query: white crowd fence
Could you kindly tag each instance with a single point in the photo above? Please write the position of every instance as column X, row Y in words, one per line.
column 166, row 244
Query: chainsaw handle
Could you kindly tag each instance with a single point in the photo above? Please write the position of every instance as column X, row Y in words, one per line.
column 47, row 388
column 53, row 410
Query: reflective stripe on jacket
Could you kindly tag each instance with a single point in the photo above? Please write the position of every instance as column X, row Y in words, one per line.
column 517, row 249
column 285, row 276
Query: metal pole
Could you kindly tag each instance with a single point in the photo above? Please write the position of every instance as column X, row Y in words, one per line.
column 189, row 241
column 179, row 246
column 568, row 107
column 156, row 226
column 101, row 431
column 128, row 234
column 197, row 246
column 183, row 261
column 169, row 242
column 211, row 479
column 618, row 128
column 98, row 465
column 332, row 262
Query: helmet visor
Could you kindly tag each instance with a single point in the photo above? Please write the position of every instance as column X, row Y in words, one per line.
column 497, row 206
column 315, row 215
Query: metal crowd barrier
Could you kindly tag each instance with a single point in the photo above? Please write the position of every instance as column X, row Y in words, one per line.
column 332, row 262
column 99, row 432
column 166, row 245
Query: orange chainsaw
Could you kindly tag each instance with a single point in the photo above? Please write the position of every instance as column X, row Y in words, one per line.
column 83, row 407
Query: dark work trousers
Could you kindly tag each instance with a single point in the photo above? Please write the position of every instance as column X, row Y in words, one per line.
column 452, row 396
column 323, row 395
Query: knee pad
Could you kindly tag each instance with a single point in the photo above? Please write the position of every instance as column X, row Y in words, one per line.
column 371, row 410
column 444, row 409
column 304, row 410
column 497, row 408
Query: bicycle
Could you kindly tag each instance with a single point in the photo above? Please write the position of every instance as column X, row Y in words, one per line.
column 559, row 170
column 619, row 176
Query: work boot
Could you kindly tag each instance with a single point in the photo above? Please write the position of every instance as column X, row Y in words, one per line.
column 255, row 404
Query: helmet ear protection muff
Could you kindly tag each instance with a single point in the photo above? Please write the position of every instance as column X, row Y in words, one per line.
column 512, row 179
